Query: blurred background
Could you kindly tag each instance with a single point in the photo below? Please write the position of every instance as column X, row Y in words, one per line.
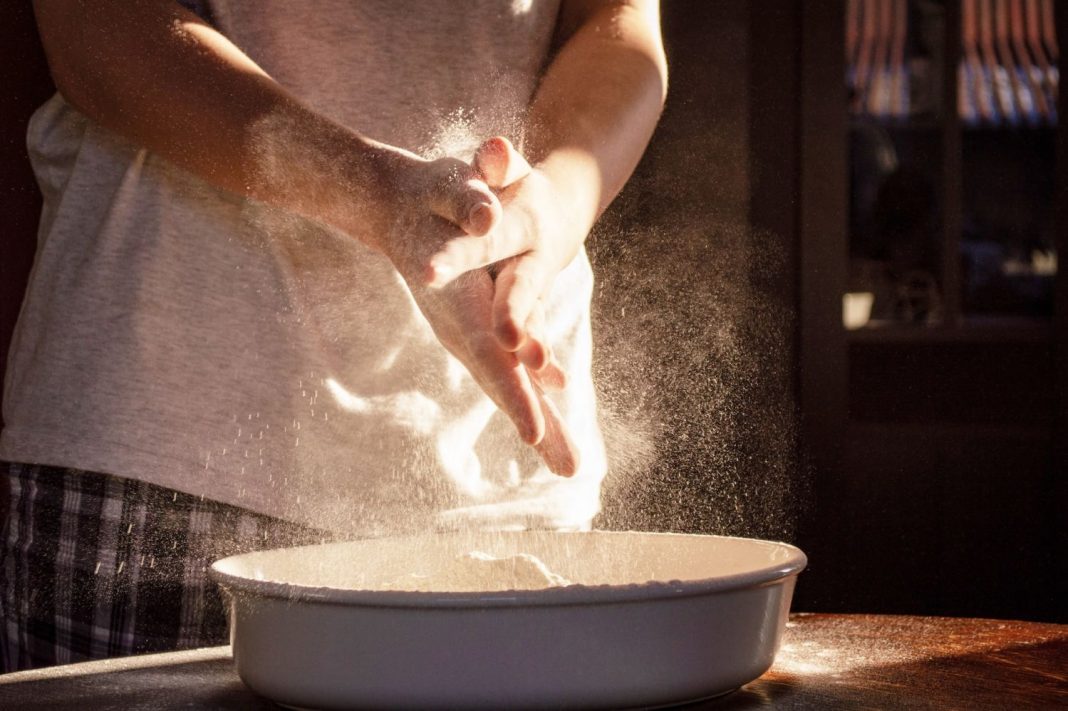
column 829, row 308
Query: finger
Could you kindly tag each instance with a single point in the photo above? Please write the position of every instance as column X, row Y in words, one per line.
column 556, row 449
column 518, row 399
column 552, row 377
column 519, row 286
column 460, row 317
column 500, row 163
column 464, row 253
column 463, row 198
column 508, row 384
column 545, row 369
column 534, row 352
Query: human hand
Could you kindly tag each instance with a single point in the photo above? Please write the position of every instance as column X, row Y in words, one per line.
column 533, row 241
column 460, row 314
column 422, row 207
column 409, row 208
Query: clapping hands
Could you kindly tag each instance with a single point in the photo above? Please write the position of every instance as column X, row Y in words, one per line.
column 479, row 251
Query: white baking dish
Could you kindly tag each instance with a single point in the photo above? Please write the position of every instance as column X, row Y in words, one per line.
column 655, row 619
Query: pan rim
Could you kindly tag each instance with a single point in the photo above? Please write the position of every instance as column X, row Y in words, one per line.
column 571, row 595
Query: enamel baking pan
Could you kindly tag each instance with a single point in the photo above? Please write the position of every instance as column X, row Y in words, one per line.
column 652, row 620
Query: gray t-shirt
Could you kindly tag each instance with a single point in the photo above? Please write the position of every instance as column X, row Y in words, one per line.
column 180, row 335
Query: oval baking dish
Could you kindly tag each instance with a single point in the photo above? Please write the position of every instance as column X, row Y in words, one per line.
column 652, row 619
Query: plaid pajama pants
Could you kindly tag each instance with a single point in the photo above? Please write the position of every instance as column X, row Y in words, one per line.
column 94, row 566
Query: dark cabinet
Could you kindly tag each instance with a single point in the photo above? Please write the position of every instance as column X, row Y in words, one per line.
column 931, row 312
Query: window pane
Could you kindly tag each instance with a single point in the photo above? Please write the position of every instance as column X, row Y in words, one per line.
column 1008, row 86
column 896, row 66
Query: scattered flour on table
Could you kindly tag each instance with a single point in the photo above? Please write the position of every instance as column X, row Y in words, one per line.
column 481, row 572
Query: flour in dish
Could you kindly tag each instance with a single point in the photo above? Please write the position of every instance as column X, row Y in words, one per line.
column 481, row 572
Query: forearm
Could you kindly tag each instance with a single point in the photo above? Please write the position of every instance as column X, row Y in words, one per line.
column 597, row 106
column 156, row 74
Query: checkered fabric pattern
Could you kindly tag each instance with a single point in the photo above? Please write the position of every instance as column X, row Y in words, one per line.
column 96, row 566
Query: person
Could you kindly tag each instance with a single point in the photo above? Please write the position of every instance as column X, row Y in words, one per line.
column 304, row 270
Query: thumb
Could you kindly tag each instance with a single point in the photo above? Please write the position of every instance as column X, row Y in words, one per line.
column 463, row 198
column 500, row 163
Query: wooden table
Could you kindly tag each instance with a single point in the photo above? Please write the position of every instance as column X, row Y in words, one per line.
column 826, row 662
column 882, row 662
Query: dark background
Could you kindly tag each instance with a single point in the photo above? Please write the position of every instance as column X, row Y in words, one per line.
column 733, row 401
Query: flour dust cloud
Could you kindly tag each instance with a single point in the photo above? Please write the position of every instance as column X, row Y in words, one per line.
column 693, row 353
